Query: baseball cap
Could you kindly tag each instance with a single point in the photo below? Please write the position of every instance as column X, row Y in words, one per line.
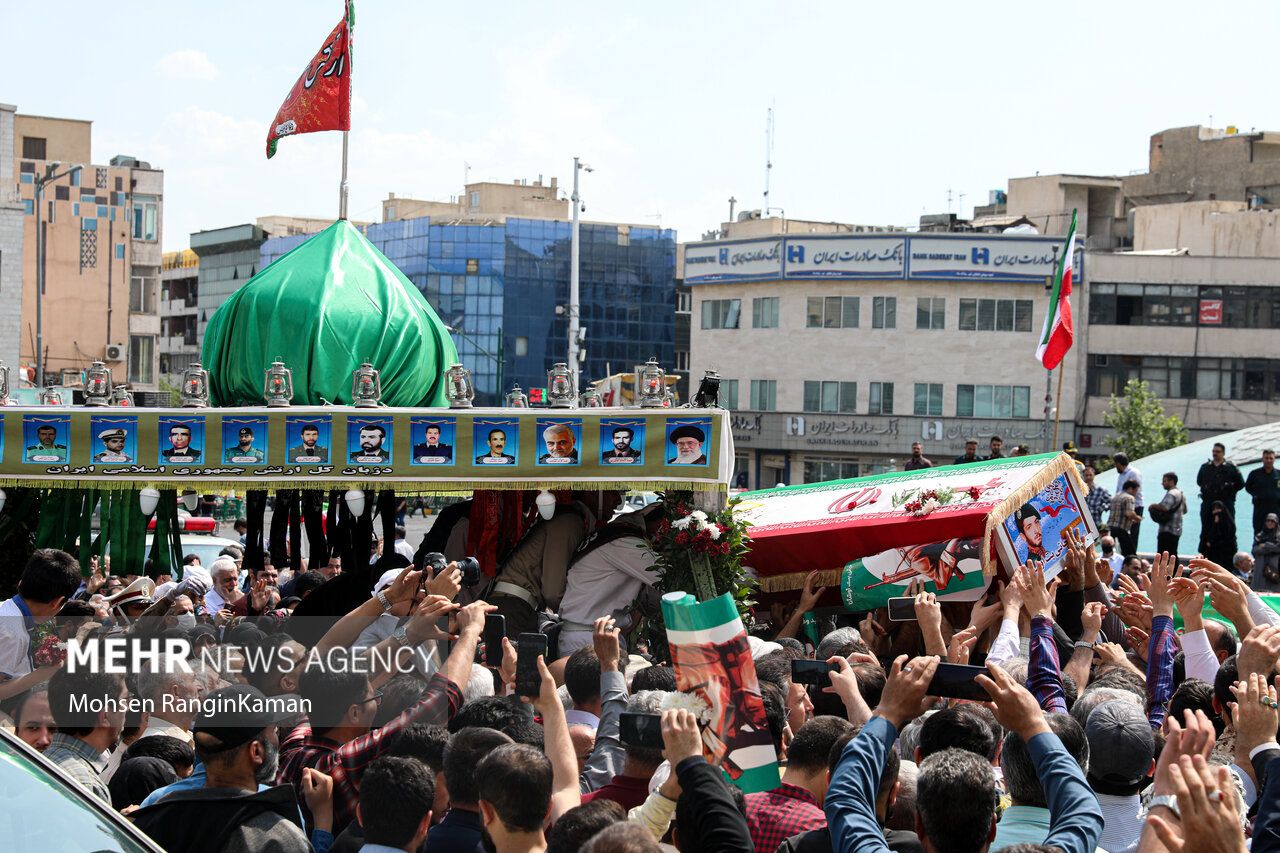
column 1121, row 744
column 233, row 716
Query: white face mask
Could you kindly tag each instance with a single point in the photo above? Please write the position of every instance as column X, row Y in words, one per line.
column 186, row 621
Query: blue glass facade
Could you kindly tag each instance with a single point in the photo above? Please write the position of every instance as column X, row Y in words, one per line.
column 505, row 281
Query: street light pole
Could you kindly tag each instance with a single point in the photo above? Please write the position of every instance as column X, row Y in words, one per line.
column 49, row 177
column 574, row 251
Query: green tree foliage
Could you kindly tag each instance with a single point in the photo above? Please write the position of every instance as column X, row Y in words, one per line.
column 1140, row 425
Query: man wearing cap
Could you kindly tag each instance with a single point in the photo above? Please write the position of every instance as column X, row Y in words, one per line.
column 244, row 452
column 1121, row 753
column 113, row 441
column 235, row 738
column 1027, row 520
column 48, row 450
column 688, row 441
column 970, row 453
column 181, row 451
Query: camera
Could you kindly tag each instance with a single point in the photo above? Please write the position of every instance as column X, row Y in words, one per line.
column 470, row 568
column 433, row 561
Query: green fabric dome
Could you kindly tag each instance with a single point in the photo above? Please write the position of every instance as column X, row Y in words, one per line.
column 330, row 304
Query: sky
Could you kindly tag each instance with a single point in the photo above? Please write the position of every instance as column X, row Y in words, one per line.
column 880, row 110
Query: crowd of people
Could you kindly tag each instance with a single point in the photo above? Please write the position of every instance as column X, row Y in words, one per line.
column 396, row 728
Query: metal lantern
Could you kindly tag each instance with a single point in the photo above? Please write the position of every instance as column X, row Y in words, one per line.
column 590, row 398
column 4, row 382
column 560, row 391
column 195, row 387
column 366, row 390
column 51, row 397
column 121, row 396
column 278, row 386
column 652, row 385
column 516, row 399
column 458, row 387
column 97, row 385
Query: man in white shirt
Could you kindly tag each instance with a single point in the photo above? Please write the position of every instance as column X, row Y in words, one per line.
column 49, row 578
column 607, row 575
column 403, row 548
column 1124, row 473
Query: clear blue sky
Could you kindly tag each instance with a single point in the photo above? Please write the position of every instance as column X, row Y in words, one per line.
column 879, row 109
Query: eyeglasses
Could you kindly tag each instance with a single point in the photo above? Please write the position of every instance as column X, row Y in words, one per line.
column 375, row 698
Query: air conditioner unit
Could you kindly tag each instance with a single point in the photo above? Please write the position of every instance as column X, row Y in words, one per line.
column 116, row 352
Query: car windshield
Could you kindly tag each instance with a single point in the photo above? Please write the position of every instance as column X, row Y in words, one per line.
column 43, row 813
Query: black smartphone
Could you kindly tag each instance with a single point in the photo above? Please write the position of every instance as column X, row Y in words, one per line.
column 641, row 730
column 955, row 681
column 902, row 609
column 812, row 671
column 495, row 629
column 528, row 648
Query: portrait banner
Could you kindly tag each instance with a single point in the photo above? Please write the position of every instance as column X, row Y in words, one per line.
column 1035, row 529
column 412, row 450
column 713, row 664
column 952, row 569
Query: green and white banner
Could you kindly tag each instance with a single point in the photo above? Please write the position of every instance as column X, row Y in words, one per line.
column 713, row 663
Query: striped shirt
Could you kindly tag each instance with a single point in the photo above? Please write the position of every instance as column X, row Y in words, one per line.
column 81, row 762
column 1044, row 672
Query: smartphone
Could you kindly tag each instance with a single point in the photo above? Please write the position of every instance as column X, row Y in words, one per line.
column 495, row 629
column 955, row 681
column 902, row 609
column 528, row 648
column 641, row 730
column 816, row 672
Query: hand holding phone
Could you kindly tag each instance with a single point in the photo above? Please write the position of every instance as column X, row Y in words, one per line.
column 816, row 672
column 902, row 609
column 495, row 628
column 528, row 649
column 956, row 681
column 641, row 730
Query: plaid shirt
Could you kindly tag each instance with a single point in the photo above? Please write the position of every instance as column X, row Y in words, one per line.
column 774, row 816
column 1164, row 645
column 1099, row 502
column 346, row 762
column 1044, row 673
column 1121, row 504
column 81, row 762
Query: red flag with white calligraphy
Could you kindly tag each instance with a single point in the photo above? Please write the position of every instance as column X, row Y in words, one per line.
column 321, row 99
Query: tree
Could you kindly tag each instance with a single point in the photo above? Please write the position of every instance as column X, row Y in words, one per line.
column 1140, row 424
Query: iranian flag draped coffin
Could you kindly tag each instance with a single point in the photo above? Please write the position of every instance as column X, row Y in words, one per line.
column 890, row 528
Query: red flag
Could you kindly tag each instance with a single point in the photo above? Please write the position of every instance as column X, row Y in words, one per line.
column 321, row 99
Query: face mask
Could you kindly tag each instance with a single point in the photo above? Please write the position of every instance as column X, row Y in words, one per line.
column 186, row 621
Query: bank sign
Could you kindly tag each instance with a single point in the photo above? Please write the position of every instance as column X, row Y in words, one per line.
column 875, row 256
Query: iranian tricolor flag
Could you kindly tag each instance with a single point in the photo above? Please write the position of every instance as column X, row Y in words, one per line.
column 321, row 99
column 1056, row 338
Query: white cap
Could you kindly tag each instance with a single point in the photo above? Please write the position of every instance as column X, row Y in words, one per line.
column 760, row 648
column 385, row 581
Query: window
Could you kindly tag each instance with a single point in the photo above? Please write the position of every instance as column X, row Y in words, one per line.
column 522, row 345
column 822, row 469
column 474, row 199
column 1113, row 304
column 142, row 295
column 764, row 395
column 729, row 394
column 684, row 302
column 993, row 401
column 931, row 312
column 141, row 353
column 884, row 312
column 832, row 312
column 834, row 397
column 33, row 147
column 764, row 313
column 682, row 360
column 881, row 400
column 996, row 315
column 720, row 313
column 144, row 218
column 928, row 398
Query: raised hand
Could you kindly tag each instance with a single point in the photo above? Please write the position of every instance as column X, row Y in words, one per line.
column 1254, row 714
column 1037, row 597
column 1014, row 706
column 902, row 699
column 809, row 597
column 1160, row 589
column 1091, row 620
column 447, row 582
column 1208, row 822
column 608, row 648
column 1259, row 651
column 844, row 683
column 962, row 643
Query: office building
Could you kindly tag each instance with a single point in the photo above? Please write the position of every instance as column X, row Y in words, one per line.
column 102, row 260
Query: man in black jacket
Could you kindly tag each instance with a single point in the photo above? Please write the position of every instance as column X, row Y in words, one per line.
column 1264, row 484
column 240, row 751
column 1218, row 480
column 707, row 818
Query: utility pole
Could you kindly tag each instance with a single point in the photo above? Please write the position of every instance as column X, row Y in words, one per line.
column 574, row 252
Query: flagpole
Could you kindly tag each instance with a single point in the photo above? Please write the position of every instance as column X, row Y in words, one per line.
column 342, row 192
column 1057, row 405
column 1048, row 374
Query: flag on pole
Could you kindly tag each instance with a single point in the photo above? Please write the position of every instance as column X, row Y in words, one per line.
column 321, row 99
column 1057, row 335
